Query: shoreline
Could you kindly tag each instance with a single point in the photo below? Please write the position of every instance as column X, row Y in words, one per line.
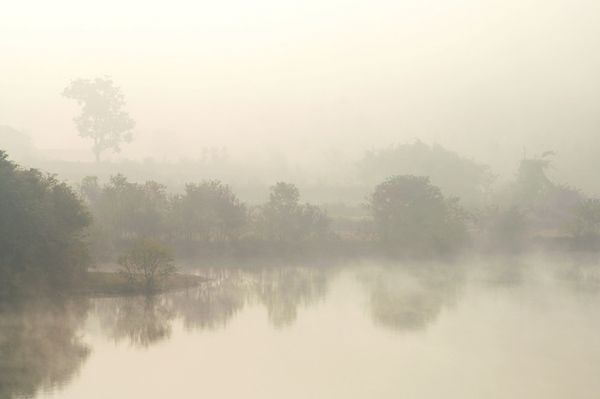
column 105, row 284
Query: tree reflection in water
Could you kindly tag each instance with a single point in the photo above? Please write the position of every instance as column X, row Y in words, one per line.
column 40, row 347
column 216, row 302
column 142, row 321
column 282, row 291
column 412, row 297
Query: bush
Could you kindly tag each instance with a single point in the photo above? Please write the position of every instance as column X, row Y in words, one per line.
column 147, row 263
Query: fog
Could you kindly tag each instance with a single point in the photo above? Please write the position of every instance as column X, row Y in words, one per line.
column 488, row 80
column 364, row 329
column 327, row 199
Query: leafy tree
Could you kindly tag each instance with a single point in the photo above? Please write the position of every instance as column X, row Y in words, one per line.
column 208, row 211
column 549, row 207
column 532, row 183
column 128, row 209
column 147, row 262
column 281, row 213
column 102, row 117
column 455, row 175
column 42, row 225
column 90, row 190
column 284, row 219
column 411, row 216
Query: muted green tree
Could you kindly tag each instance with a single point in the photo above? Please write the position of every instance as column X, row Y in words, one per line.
column 412, row 217
column 42, row 228
column 284, row 219
column 208, row 211
column 130, row 210
column 147, row 263
column 102, row 118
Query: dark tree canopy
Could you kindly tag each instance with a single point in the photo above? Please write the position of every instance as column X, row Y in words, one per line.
column 284, row 219
column 41, row 230
column 208, row 211
column 412, row 217
column 532, row 183
column 547, row 208
column 126, row 209
column 102, row 117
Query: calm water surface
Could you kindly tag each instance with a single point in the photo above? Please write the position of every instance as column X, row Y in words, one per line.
column 507, row 329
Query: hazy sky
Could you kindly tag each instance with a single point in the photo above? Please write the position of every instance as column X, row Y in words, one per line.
column 486, row 78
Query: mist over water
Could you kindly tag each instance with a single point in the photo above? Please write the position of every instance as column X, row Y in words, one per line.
column 516, row 327
column 299, row 199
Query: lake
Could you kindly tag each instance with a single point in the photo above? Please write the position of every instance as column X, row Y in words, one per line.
column 508, row 328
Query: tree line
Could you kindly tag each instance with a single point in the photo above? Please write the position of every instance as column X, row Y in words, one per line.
column 49, row 231
column 206, row 215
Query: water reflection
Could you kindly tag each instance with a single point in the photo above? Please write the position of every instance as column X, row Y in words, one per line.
column 40, row 347
column 283, row 291
column 142, row 321
column 411, row 297
column 280, row 290
column 216, row 302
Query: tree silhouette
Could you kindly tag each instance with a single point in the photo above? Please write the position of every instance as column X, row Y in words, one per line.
column 284, row 219
column 102, row 117
column 42, row 227
column 412, row 217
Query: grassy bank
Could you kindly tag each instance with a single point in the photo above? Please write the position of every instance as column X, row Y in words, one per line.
column 99, row 283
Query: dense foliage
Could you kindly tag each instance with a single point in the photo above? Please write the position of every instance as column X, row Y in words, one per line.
column 206, row 215
column 208, row 211
column 283, row 219
column 147, row 262
column 411, row 216
column 42, row 223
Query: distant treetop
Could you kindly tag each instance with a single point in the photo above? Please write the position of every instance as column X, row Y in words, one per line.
column 102, row 117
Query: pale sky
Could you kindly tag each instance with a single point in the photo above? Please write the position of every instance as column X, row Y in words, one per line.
column 486, row 78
